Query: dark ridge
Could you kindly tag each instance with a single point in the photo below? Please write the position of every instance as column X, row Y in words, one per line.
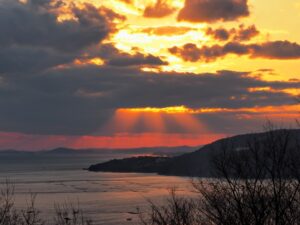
column 135, row 164
column 196, row 163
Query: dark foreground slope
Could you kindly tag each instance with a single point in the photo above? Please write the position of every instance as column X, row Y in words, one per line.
column 197, row 163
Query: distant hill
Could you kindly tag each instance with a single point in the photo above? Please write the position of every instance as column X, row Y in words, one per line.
column 11, row 151
column 197, row 163
column 62, row 151
column 157, row 151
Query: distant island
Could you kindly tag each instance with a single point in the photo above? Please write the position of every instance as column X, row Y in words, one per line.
column 197, row 163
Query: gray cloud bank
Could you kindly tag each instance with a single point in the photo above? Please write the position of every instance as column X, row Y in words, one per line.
column 38, row 97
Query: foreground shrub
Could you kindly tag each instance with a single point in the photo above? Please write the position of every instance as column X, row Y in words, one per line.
column 255, row 184
column 64, row 214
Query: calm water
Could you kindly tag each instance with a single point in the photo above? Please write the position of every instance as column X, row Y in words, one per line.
column 108, row 198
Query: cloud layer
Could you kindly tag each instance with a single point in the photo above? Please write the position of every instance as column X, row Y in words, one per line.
column 243, row 33
column 33, row 24
column 282, row 50
column 80, row 100
column 208, row 11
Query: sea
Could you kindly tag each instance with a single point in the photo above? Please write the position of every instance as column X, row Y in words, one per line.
column 106, row 198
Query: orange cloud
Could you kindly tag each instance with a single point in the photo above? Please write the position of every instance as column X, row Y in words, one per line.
column 126, row 1
column 167, row 30
column 160, row 9
column 177, row 110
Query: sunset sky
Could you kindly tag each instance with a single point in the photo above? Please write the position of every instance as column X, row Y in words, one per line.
column 141, row 73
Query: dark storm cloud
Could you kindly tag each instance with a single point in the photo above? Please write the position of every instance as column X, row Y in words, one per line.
column 282, row 50
column 80, row 100
column 19, row 59
column 31, row 39
column 213, row 10
column 243, row 33
column 160, row 9
column 37, row 26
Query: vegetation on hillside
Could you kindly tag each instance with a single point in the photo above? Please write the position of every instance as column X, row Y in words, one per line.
column 258, row 185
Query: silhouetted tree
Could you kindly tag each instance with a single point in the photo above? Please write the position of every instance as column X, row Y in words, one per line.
column 176, row 211
column 258, row 184
column 67, row 214
column 70, row 214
